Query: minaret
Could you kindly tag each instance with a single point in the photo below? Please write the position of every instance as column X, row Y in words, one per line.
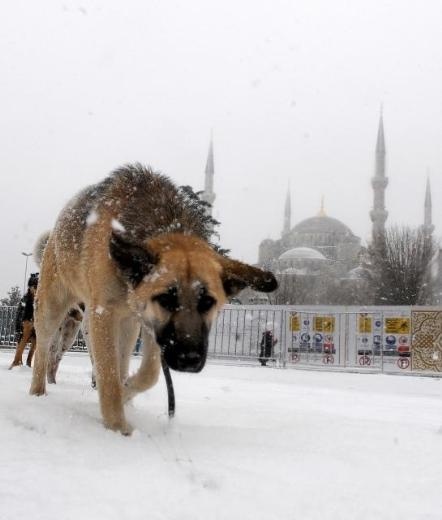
column 287, row 214
column 208, row 194
column 379, row 182
column 428, row 227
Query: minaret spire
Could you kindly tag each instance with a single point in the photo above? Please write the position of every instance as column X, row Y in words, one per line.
column 287, row 213
column 428, row 220
column 208, row 194
column 379, row 182
column 321, row 212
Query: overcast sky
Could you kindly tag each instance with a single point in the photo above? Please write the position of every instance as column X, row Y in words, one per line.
column 292, row 90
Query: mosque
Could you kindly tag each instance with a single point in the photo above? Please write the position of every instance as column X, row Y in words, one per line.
column 320, row 259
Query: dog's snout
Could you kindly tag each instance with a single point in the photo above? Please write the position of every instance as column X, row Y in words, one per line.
column 184, row 350
column 185, row 361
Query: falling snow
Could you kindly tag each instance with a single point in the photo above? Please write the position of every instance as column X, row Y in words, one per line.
column 117, row 226
column 91, row 218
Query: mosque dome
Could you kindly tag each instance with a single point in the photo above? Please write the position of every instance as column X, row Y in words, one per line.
column 324, row 225
column 302, row 261
column 302, row 253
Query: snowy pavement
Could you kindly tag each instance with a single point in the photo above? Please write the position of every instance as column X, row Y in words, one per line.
column 246, row 443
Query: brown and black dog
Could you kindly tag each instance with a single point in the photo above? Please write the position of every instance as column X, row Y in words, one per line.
column 134, row 249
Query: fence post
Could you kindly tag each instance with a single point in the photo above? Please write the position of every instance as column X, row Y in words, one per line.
column 283, row 349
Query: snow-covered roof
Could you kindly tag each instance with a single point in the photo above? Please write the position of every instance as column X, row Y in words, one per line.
column 302, row 253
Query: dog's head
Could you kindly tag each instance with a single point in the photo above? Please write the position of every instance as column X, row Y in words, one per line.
column 177, row 284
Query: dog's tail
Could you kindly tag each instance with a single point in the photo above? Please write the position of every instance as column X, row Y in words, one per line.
column 40, row 247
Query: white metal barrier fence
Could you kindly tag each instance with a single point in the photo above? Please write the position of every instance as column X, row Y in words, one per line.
column 7, row 325
column 384, row 339
column 9, row 335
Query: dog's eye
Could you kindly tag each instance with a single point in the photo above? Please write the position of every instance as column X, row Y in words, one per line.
column 168, row 301
column 205, row 303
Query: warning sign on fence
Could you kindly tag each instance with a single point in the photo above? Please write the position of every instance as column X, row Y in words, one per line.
column 295, row 325
column 365, row 324
column 324, row 323
column 397, row 325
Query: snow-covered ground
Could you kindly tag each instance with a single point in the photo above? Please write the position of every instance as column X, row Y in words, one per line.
column 246, row 443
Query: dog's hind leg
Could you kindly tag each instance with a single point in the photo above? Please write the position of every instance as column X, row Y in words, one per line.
column 31, row 350
column 52, row 304
column 149, row 370
column 28, row 328
column 103, row 328
column 128, row 333
column 87, row 340
column 52, row 355
column 63, row 341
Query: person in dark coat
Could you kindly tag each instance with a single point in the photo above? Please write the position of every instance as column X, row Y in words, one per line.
column 267, row 344
column 24, row 324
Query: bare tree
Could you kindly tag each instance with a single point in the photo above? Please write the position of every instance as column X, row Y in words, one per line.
column 13, row 298
column 296, row 289
column 399, row 264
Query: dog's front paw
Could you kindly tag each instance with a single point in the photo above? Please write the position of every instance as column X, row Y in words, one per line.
column 127, row 430
column 123, row 427
column 38, row 389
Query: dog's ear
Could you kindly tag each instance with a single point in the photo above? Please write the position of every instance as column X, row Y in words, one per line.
column 134, row 261
column 236, row 276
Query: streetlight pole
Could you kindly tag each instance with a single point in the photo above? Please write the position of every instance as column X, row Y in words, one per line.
column 27, row 255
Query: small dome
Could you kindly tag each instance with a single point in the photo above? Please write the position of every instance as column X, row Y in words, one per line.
column 302, row 253
column 294, row 271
